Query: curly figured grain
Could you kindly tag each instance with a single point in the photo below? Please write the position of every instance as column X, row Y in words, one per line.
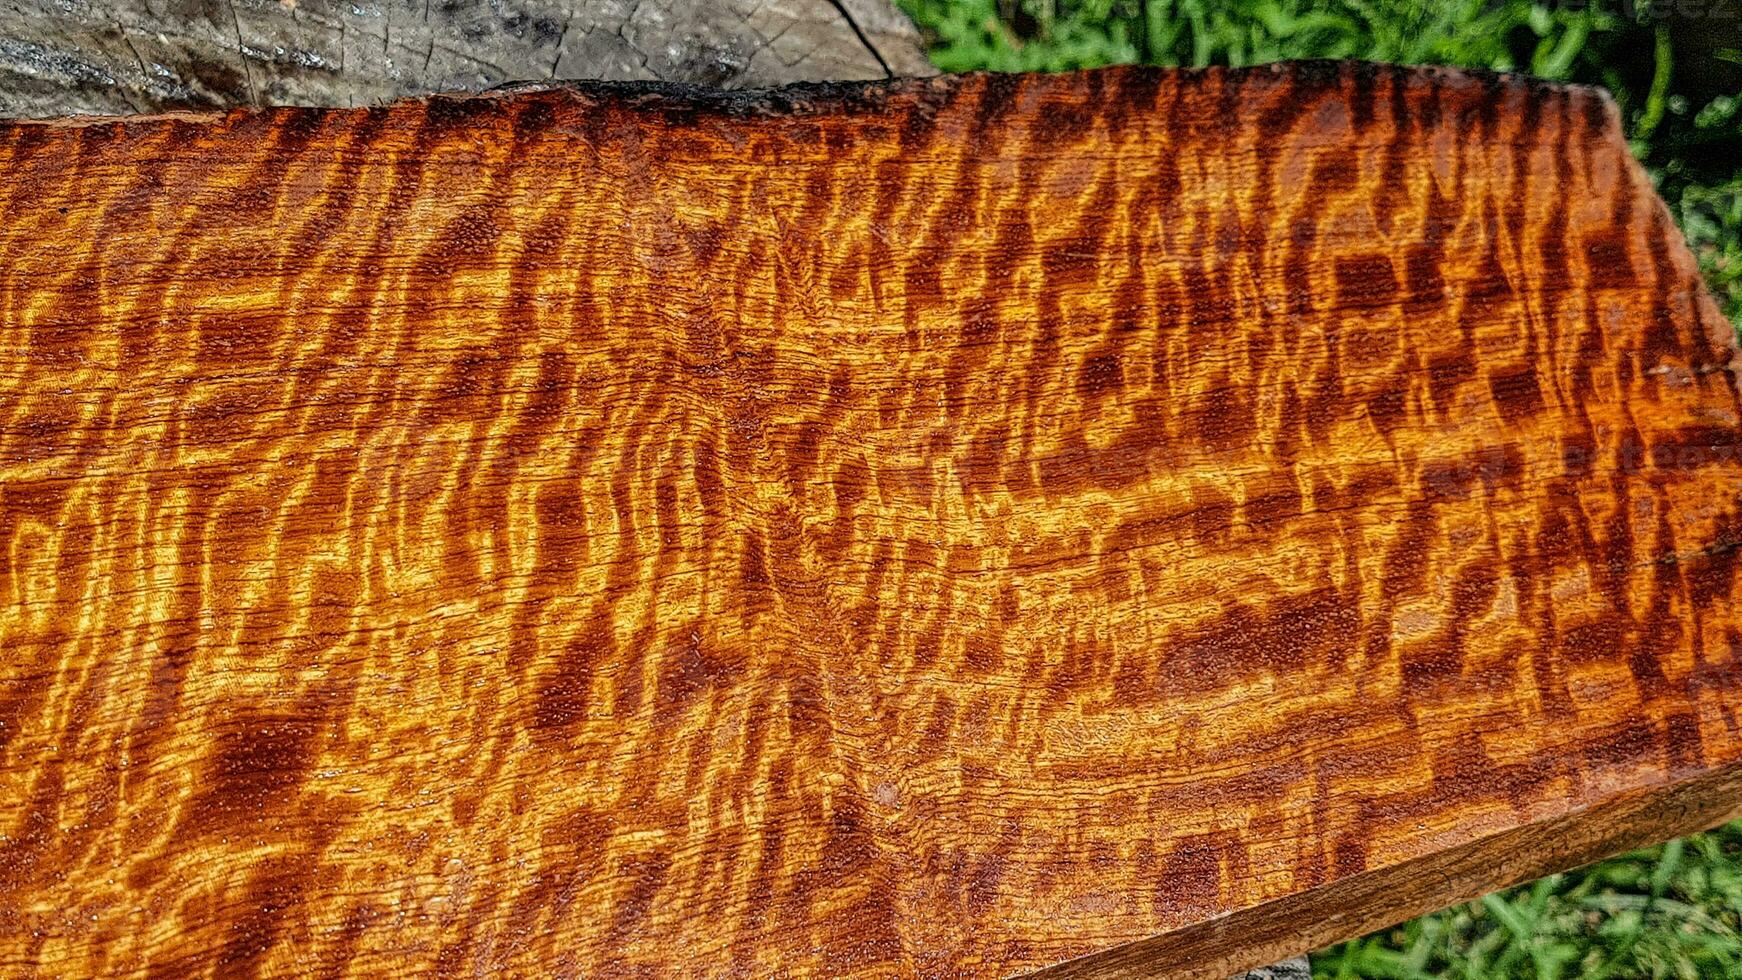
column 937, row 528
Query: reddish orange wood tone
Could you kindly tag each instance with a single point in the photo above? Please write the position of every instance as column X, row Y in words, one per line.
column 947, row 528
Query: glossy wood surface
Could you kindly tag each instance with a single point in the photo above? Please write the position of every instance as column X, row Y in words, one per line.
column 945, row 528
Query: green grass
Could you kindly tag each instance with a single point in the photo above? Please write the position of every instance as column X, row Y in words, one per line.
column 1673, row 912
column 1685, row 125
column 1668, row 912
column 1053, row 35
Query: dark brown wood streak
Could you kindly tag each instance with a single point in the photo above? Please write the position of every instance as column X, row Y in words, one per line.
column 939, row 528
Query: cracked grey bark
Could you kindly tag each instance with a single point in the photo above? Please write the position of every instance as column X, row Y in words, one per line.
column 1295, row 969
column 111, row 57
column 64, row 57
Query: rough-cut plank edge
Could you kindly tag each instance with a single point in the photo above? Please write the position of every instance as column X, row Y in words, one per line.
column 800, row 99
column 1386, row 896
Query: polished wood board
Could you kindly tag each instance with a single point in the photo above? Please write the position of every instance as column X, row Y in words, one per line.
column 945, row 527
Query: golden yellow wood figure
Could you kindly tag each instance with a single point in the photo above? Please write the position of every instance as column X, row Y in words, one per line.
column 939, row 528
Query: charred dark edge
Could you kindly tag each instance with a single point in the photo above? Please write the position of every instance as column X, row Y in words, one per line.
column 807, row 98
column 824, row 98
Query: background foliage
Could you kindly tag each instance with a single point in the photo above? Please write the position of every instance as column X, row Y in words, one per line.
column 1676, row 69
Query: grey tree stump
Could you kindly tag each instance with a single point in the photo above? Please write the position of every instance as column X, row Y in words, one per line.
column 113, row 57
column 61, row 57
column 1295, row 969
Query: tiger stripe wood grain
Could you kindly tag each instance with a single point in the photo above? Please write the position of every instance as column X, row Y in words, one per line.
column 940, row 528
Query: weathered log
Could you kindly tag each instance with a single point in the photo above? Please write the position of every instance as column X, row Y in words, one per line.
column 951, row 526
column 119, row 56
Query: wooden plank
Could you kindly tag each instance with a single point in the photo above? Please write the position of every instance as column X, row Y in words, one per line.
column 945, row 527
